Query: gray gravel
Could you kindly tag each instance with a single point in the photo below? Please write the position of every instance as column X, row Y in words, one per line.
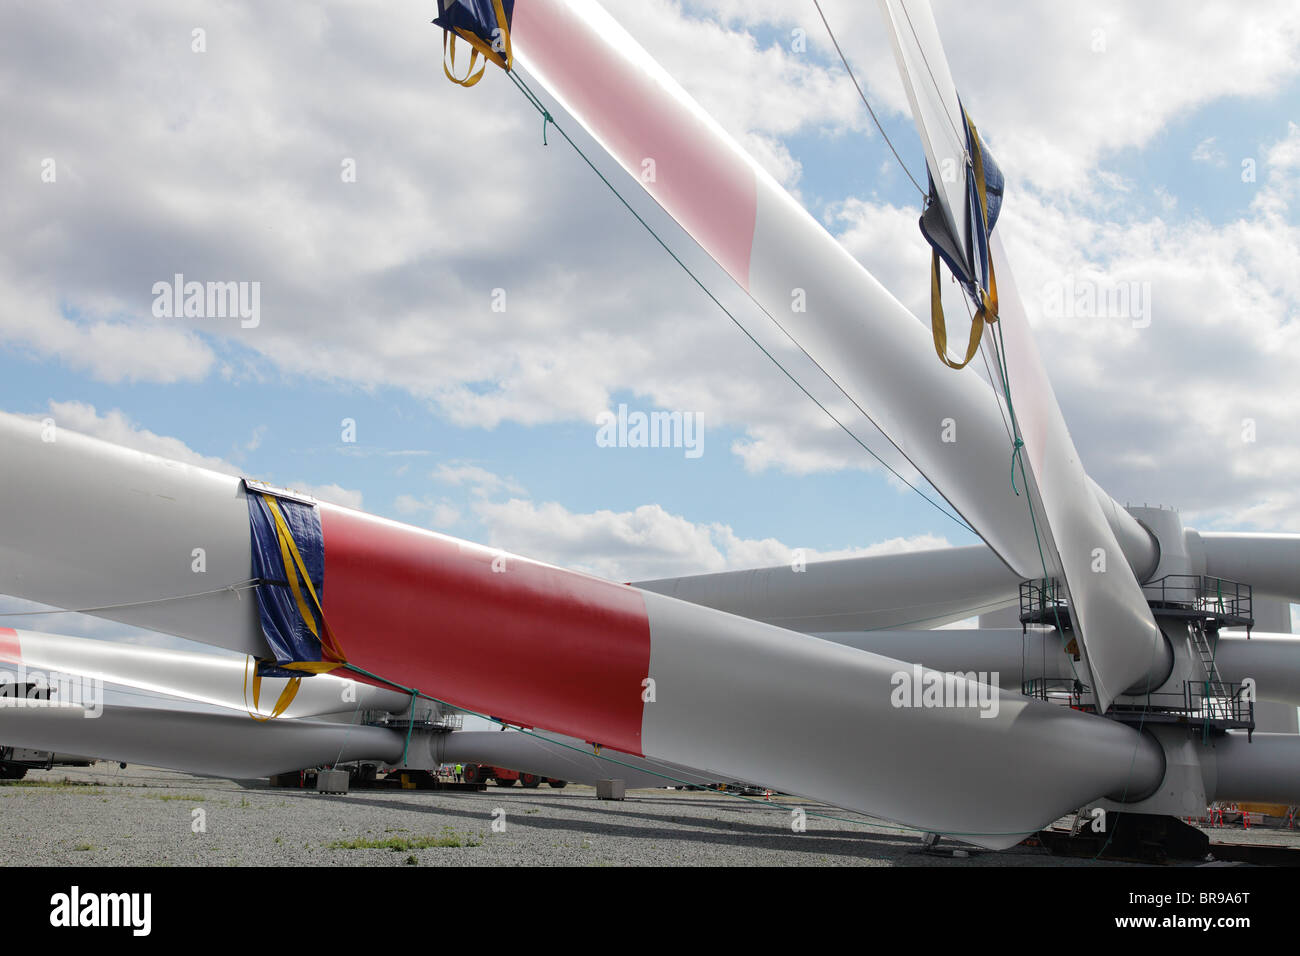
column 106, row 816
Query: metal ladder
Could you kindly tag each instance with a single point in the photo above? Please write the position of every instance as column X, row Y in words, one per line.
column 1218, row 697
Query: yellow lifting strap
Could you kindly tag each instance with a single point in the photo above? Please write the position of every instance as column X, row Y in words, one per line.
column 294, row 570
column 988, row 310
column 281, row 705
column 502, row 57
column 449, row 54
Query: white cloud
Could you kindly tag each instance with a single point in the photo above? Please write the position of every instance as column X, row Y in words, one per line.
column 1158, row 412
column 1282, row 171
column 165, row 155
column 114, row 426
column 639, row 544
column 479, row 480
column 332, row 493
column 647, row 542
column 438, row 513
column 1057, row 87
column 1207, row 152
column 107, row 342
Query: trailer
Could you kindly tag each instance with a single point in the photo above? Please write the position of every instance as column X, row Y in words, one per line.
column 16, row 761
column 505, row 777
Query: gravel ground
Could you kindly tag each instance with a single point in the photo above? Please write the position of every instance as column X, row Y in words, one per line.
column 106, row 816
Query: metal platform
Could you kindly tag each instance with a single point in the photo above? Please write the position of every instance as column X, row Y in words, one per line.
column 1205, row 604
column 1042, row 601
column 1216, row 602
column 1210, row 709
column 441, row 724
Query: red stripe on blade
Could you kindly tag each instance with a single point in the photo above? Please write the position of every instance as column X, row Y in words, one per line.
column 703, row 183
column 528, row 643
column 10, row 648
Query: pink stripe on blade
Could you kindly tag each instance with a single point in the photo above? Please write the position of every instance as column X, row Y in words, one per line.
column 10, row 649
column 699, row 177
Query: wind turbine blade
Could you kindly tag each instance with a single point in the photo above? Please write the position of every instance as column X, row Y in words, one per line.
column 913, row 589
column 1016, row 656
column 1256, row 768
column 1272, row 661
column 1123, row 648
column 1270, row 563
column 933, row 98
column 213, row 744
column 538, row 646
column 88, row 524
column 204, row 678
column 791, row 709
column 862, row 337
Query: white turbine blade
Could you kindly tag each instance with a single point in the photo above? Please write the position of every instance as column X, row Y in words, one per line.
column 1272, row 661
column 206, row 678
column 809, row 717
column 1123, row 648
column 1135, row 541
column 1259, row 768
column 1013, row 655
column 539, row 646
column 860, row 334
column 214, row 744
column 913, row 589
column 863, row 338
column 933, row 98
column 89, row 524
column 1270, row 563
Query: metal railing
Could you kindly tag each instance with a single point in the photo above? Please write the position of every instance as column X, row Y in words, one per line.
column 1197, row 702
column 1200, row 592
column 1060, row 689
column 1040, row 597
column 1203, row 701
column 1219, row 702
column 429, row 719
column 450, row 722
column 1044, row 600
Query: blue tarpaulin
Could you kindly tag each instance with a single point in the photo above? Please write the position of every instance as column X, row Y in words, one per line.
column 289, row 564
column 474, row 16
column 967, row 256
column 484, row 25
column 968, row 259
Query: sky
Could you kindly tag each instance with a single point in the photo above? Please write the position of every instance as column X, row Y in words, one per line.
column 446, row 306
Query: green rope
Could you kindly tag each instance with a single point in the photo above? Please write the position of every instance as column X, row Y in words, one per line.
column 1015, row 457
column 539, row 106
column 1018, row 458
